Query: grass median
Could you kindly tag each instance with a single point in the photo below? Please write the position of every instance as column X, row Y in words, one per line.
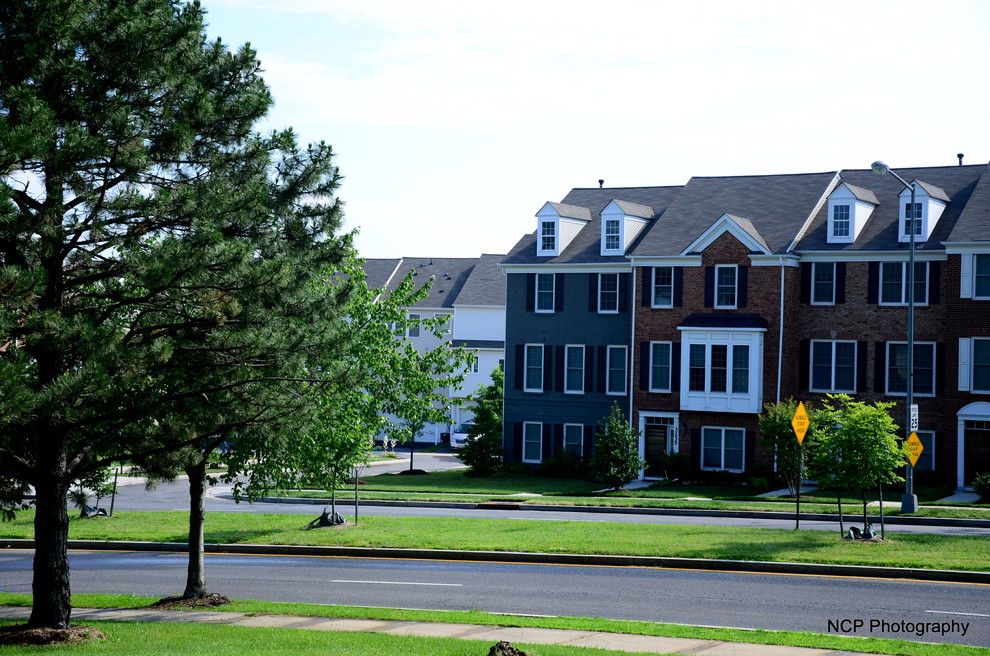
column 922, row 551
column 631, row 627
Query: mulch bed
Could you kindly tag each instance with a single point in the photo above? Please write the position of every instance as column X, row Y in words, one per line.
column 23, row 634
column 210, row 600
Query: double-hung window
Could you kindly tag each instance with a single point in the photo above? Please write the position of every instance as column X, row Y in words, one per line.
column 544, row 292
column 823, row 283
column 924, row 368
column 532, row 442
column 840, row 221
column 616, row 370
column 574, row 440
column 548, row 235
column 534, row 368
column 912, row 215
column 710, row 365
column 574, row 366
column 608, row 293
column 833, row 366
column 612, row 237
column 894, row 283
column 725, row 286
column 413, row 330
column 663, row 287
column 723, row 449
column 981, row 276
column 660, row 365
column 981, row 365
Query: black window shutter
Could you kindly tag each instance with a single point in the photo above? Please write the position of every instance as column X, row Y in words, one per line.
column 517, row 432
column 873, row 283
column 520, row 366
column 589, row 368
column 806, row 282
column 547, row 368
column 934, row 282
column 678, row 286
column 749, row 446
column 804, row 364
column 709, row 286
column 647, row 298
column 624, row 289
column 558, row 440
column 547, row 454
column 530, row 291
column 840, row 282
column 675, row 367
column 644, row 366
column 559, row 371
column 879, row 366
column 602, row 368
column 862, row 364
column 558, row 292
column 940, row 369
column 589, row 441
column 592, row 292
column 696, row 447
column 742, row 286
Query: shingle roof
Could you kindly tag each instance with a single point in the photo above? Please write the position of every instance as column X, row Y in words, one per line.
column 961, row 220
column 776, row 205
column 585, row 248
column 485, row 284
column 933, row 191
column 750, row 229
column 635, row 209
column 378, row 270
column 569, row 211
column 866, row 195
column 449, row 275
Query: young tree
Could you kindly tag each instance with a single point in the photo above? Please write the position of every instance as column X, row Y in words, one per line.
column 616, row 461
column 779, row 439
column 144, row 231
column 860, row 449
column 483, row 451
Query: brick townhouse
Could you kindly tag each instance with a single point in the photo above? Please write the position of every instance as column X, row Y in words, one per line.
column 750, row 289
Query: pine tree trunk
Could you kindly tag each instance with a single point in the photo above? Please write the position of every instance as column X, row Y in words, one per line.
column 195, row 580
column 51, row 606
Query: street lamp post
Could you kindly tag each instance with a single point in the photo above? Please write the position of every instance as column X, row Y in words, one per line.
column 909, row 502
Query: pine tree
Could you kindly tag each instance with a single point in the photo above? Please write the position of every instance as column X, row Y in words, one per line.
column 616, row 461
column 483, row 452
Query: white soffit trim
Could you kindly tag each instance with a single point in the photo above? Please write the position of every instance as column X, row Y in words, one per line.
column 721, row 329
column 963, row 247
column 724, row 223
column 557, row 267
column 774, row 260
column 658, row 260
column 870, row 256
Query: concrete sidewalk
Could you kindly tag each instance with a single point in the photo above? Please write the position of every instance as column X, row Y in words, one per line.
column 487, row 634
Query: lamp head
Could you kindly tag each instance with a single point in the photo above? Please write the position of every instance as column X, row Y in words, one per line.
column 879, row 168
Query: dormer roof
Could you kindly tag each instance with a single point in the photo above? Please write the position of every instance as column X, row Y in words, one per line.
column 631, row 209
column 865, row 195
column 932, row 190
column 566, row 211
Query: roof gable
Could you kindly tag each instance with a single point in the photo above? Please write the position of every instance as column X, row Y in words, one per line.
column 740, row 228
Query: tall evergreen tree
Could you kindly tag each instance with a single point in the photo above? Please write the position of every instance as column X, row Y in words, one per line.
column 157, row 258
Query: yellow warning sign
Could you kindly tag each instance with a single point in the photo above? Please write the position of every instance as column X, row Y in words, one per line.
column 914, row 448
column 800, row 422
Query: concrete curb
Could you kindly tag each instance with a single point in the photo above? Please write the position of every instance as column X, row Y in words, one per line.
column 895, row 520
column 816, row 569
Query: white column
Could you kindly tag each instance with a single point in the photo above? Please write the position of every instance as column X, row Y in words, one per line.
column 960, row 453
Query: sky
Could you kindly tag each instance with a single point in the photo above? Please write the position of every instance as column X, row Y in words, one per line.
column 454, row 122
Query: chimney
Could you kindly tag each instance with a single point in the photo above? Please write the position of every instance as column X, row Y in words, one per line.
column 601, row 183
column 960, row 156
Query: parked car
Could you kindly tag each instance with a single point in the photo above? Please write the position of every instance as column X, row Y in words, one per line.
column 459, row 437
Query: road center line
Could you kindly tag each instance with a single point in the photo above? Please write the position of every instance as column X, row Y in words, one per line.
column 949, row 612
column 440, row 585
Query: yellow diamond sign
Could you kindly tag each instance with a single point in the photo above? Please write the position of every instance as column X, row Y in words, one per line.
column 800, row 422
column 914, row 448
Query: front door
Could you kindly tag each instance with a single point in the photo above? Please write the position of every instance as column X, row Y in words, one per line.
column 977, row 450
column 654, row 450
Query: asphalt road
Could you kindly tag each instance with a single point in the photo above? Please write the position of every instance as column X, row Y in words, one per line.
column 175, row 496
column 804, row 603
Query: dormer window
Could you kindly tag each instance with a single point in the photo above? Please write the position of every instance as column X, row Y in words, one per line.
column 840, row 221
column 929, row 204
column 548, row 235
column 912, row 213
column 613, row 240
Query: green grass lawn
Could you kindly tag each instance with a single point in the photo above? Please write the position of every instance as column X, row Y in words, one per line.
column 457, row 481
column 792, row 638
column 742, row 543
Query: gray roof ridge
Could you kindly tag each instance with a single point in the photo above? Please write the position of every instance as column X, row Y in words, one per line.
column 759, row 175
column 916, row 168
column 675, row 186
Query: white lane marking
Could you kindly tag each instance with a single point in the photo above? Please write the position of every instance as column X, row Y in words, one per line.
column 440, row 585
column 949, row 612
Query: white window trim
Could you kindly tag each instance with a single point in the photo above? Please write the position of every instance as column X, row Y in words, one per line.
column 618, row 281
column 553, row 294
column 567, row 347
column 722, row 448
column 972, row 365
column 556, row 237
column 605, row 249
column 835, row 269
column 476, row 364
column 811, row 365
column 904, row 284
column 543, row 374
column 523, row 454
column 886, row 371
column 973, row 257
column 735, row 293
column 653, row 288
column 851, row 209
column 670, row 368
column 563, row 443
column 418, row 327
column 608, row 369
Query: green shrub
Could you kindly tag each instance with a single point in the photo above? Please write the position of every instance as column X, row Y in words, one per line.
column 981, row 485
